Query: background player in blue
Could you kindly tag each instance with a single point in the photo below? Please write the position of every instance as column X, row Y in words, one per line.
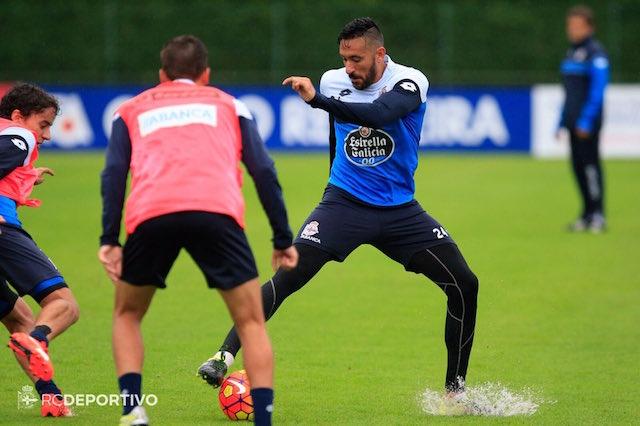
column 26, row 115
column 585, row 73
column 376, row 110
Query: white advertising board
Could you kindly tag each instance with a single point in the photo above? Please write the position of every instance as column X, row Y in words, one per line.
column 620, row 137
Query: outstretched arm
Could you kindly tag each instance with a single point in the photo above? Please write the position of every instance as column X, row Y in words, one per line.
column 398, row 102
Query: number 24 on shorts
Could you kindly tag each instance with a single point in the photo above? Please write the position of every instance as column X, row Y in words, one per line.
column 440, row 232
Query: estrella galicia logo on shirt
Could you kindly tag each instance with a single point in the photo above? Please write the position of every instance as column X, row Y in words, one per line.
column 369, row 147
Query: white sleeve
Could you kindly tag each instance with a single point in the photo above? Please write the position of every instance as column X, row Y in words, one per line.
column 242, row 110
column 420, row 79
column 325, row 81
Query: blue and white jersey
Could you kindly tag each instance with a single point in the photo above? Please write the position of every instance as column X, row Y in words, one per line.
column 585, row 74
column 377, row 132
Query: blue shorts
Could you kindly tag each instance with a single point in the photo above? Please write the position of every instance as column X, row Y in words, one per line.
column 25, row 267
column 341, row 223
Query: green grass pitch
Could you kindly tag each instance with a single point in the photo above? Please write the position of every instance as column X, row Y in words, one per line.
column 558, row 313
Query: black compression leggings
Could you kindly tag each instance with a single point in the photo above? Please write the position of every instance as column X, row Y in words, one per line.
column 284, row 284
column 442, row 264
column 445, row 266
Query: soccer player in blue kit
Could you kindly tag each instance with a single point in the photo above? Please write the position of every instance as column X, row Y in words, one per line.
column 585, row 74
column 376, row 110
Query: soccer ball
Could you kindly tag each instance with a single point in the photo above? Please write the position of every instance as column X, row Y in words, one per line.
column 235, row 397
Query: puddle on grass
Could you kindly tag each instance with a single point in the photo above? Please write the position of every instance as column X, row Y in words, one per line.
column 486, row 399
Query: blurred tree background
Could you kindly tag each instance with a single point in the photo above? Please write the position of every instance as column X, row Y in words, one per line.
column 496, row 42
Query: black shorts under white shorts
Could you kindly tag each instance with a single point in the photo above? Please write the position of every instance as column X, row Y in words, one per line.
column 25, row 266
column 341, row 223
column 216, row 243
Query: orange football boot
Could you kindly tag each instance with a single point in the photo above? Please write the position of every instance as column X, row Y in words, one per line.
column 53, row 406
column 35, row 352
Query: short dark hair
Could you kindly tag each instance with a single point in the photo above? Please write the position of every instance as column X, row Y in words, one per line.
column 28, row 99
column 584, row 12
column 362, row 27
column 184, row 56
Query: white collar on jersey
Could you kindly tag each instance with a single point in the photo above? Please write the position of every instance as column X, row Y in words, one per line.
column 184, row 80
column 385, row 75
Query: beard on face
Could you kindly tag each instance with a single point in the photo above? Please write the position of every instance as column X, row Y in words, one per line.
column 368, row 79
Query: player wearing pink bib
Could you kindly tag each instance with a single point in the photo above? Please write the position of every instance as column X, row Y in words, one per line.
column 186, row 140
column 26, row 115
column 18, row 184
column 182, row 142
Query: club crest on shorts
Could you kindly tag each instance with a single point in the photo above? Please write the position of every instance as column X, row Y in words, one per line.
column 369, row 147
column 311, row 229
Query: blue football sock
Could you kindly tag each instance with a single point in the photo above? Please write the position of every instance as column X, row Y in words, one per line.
column 130, row 385
column 40, row 333
column 47, row 387
column 262, row 405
